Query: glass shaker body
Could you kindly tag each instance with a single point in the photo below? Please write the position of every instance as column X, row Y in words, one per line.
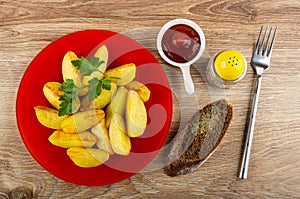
column 226, row 68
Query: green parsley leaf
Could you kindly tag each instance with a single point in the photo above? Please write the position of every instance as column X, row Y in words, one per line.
column 93, row 90
column 84, row 66
column 67, row 86
column 106, row 84
column 96, row 86
column 67, row 105
column 96, row 61
column 76, row 63
column 65, row 108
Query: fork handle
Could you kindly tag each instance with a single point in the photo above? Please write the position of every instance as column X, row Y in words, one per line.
column 250, row 132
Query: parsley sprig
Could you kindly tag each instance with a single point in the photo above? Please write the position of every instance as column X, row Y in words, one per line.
column 95, row 87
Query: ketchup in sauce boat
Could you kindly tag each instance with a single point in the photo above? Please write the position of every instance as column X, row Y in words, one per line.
column 181, row 43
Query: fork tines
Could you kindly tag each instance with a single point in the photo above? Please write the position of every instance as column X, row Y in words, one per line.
column 262, row 48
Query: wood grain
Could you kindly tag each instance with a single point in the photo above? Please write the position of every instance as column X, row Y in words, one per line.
column 27, row 26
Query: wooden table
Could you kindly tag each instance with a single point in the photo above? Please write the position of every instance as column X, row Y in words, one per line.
column 27, row 26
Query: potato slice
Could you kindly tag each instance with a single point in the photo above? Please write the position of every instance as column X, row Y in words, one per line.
column 52, row 94
column 117, row 105
column 101, row 101
column 140, row 88
column 118, row 102
column 82, row 121
column 119, row 140
column 102, row 54
column 136, row 115
column 67, row 140
column 49, row 117
column 87, row 158
column 126, row 73
column 108, row 115
column 69, row 71
column 101, row 132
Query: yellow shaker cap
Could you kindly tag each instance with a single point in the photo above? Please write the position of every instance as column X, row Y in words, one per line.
column 230, row 65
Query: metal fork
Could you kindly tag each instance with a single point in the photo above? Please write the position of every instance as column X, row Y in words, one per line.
column 260, row 62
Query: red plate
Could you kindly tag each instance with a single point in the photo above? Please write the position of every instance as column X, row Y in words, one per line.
column 46, row 66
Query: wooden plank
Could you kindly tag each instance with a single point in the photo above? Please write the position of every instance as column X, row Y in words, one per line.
column 27, row 26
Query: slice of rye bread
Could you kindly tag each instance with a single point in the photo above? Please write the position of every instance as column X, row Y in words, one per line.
column 193, row 145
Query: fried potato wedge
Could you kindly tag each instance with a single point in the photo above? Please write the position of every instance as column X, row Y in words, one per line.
column 82, row 121
column 52, row 94
column 87, row 157
column 49, row 117
column 67, row 140
column 136, row 115
column 125, row 73
column 69, row 71
column 101, row 101
column 119, row 140
column 118, row 102
column 102, row 55
column 108, row 115
column 140, row 88
column 101, row 132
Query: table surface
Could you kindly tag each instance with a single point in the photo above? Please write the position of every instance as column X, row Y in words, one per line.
column 27, row 26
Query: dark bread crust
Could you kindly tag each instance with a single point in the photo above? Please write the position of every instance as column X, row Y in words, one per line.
column 193, row 145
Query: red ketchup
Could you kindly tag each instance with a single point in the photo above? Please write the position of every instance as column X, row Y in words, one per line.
column 181, row 43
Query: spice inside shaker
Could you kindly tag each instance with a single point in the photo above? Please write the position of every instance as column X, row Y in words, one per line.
column 226, row 68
